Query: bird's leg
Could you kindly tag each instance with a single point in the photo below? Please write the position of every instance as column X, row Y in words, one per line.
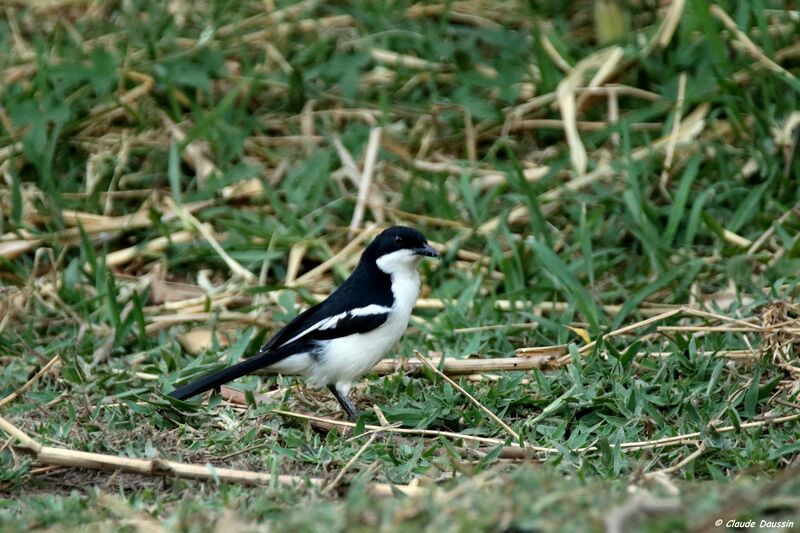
column 344, row 401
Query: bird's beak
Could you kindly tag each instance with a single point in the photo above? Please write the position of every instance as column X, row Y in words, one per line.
column 427, row 250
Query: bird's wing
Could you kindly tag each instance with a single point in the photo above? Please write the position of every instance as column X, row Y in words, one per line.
column 323, row 322
column 337, row 315
column 298, row 324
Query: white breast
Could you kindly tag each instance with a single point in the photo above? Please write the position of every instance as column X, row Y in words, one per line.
column 346, row 359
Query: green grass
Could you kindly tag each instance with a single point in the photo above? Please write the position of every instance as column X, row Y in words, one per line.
column 89, row 91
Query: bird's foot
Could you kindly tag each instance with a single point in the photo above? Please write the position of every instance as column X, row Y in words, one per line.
column 345, row 402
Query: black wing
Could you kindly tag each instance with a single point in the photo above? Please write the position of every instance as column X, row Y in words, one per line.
column 354, row 305
column 300, row 323
column 319, row 325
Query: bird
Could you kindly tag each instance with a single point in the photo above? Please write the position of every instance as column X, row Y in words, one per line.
column 338, row 340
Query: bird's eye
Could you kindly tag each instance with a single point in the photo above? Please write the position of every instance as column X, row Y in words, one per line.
column 399, row 241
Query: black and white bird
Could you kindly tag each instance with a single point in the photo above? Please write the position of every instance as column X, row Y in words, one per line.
column 338, row 340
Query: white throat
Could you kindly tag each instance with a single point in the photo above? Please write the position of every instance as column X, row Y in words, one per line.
column 402, row 268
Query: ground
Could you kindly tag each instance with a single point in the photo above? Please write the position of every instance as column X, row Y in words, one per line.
column 613, row 186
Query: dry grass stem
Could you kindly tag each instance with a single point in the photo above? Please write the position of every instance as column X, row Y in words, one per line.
column 190, row 220
column 194, row 153
column 296, row 254
column 340, row 257
column 373, row 144
column 471, row 398
column 463, row 367
column 152, row 247
column 160, row 322
column 666, row 30
column 701, row 447
column 758, row 243
column 333, row 484
column 328, row 423
column 42, row 371
column 48, row 455
column 747, row 43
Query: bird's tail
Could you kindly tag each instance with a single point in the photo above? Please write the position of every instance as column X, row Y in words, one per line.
column 213, row 381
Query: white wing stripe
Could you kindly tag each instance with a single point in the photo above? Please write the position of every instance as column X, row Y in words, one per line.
column 332, row 321
column 372, row 309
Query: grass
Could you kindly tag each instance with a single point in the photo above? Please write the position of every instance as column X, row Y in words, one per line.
column 172, row 173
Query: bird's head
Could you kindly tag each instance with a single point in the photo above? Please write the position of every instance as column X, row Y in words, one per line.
column 398, row 248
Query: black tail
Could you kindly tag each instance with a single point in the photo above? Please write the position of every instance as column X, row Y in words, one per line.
column 213, row 381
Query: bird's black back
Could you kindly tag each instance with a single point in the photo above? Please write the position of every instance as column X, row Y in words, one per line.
column 367, row 284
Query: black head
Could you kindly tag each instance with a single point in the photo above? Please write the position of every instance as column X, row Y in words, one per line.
column 397, row 239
